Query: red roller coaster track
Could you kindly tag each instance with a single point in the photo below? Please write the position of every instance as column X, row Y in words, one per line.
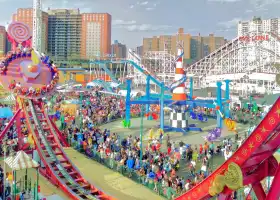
column 57, row 166
column 255, row 158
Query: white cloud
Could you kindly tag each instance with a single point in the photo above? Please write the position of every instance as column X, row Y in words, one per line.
column 131, row 6
column 261, row 4
column 147, row 27
column 224, row 1
column 229, row 24
column 248, row 11
column 150, row 8
column 143, row 3
column 132, row 26
column 123, row 22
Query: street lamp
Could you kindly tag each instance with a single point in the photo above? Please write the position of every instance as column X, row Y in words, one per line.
column 4, row 170
column 141, row 134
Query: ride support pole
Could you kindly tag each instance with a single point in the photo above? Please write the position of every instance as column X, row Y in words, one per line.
column 127, row 103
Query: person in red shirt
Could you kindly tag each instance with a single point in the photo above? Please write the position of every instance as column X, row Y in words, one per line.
column 169, row 150
column 200, row 151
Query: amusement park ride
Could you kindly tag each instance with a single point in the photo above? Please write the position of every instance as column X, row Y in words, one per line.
column 178, row 120
column 31, row 76
column 249, row 165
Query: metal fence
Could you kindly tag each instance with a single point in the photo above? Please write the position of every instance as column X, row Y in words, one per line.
column 165, row 192
column 150, row 183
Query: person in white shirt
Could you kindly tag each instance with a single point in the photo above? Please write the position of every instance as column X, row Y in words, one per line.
column 203, row 168
column 239, row 142
column 227, row 154
column 193, row 163
column 18, row 85
column 187, row 185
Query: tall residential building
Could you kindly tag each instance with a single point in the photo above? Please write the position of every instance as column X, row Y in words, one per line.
column 25, row 15
column 259, row 25
column 195, row 47
column 2, row 41
column 64, row 34
column 151, row 44
column 118, row 50
column 139, row 50
column 201, row 46
column 96, row 35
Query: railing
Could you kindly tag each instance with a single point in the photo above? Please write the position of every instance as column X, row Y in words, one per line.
column 122, row 169
column 150, row 183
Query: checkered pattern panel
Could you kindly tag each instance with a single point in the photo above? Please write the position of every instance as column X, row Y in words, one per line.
column 178, row 120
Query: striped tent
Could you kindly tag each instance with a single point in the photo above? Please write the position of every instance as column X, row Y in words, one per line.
column 21, row 161
column 9, row 98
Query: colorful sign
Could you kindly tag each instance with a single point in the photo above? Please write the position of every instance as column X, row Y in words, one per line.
column 254, row 38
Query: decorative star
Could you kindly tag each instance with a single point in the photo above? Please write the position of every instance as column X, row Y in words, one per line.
column 237, row 158
column 263, row 130
column 278, row 111
column 251, row 145
column 199, row 189
column 244, row 152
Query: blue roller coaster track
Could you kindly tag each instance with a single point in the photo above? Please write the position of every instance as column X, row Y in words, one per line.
column 102, row 64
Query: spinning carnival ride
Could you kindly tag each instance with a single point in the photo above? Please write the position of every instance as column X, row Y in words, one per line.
column 31, row 76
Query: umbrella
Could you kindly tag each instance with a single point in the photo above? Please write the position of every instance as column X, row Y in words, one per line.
column 6, row 112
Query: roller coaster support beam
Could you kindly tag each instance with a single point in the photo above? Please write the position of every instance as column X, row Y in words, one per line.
column 191, row 88
column 227, row 105
column 274, row 192
column 148, row 88
column 127, row 103
column 258, row 189
column 219, row 104
column 224, row 197
column 161, row 106
column 18, row 125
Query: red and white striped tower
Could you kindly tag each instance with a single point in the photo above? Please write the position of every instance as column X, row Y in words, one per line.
column 179, row 93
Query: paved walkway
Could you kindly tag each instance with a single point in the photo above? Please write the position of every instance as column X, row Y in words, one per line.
column 194, row 138
column 109, row 181
column 190, row 138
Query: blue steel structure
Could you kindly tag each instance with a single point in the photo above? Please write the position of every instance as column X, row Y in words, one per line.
column 221, row 103
column 108, row 72
column 102, row 64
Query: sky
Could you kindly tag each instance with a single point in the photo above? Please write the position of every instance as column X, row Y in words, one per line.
column 132, row 20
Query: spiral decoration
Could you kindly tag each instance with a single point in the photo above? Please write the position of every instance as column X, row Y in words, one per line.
column 19, row 32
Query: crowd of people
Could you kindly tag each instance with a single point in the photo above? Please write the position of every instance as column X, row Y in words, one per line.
column 158, row 163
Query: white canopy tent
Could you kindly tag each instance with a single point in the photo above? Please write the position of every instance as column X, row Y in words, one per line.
column 21, row 161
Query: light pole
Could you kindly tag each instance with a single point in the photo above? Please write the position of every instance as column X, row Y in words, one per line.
column 4, row 170
column 141, row 134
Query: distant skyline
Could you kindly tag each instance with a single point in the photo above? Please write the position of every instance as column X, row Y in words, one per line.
column 133, row 20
